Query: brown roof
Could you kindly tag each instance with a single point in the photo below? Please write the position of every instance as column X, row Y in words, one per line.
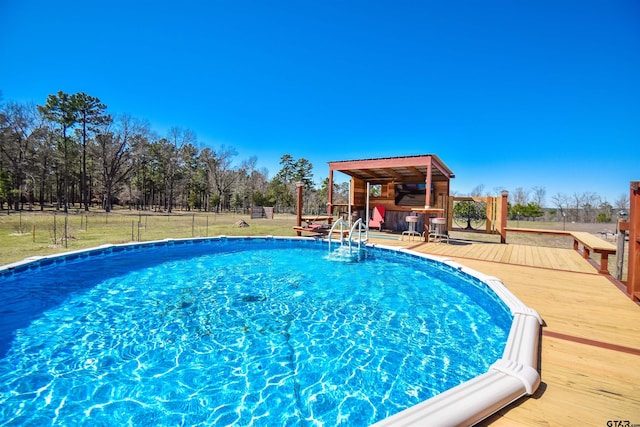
column 405, row 169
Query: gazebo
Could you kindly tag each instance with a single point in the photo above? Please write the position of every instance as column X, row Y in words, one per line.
column 405, row 185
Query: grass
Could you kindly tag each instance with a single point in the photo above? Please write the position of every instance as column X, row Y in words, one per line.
column 38, row 233
column 42, row 233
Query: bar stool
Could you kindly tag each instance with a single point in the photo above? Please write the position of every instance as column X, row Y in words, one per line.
column 412, row 220
column 437, row 230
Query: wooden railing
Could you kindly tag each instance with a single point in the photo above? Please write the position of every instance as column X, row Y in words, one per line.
column 632, row 226
column 495, row 215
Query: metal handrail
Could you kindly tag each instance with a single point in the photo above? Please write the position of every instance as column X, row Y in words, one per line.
column 342, row 224
column 360, row 224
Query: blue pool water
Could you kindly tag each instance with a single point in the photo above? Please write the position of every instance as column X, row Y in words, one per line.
column 237, row 332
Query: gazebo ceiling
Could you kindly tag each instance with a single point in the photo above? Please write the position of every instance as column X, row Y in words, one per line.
column 407, row 169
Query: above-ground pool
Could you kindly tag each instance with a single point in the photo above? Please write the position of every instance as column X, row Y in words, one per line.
column 255, row 331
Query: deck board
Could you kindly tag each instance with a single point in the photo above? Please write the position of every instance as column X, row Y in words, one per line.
column 586, row 378
column 556, row 258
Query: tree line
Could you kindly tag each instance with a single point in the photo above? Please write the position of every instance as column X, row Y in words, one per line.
column 529, row 204
column 70, row 152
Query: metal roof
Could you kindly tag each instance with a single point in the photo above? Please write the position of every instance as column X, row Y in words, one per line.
column 405, row 169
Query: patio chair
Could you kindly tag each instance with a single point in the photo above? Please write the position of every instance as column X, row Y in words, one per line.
column 378, row 217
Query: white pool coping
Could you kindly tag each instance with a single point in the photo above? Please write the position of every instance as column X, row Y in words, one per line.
column 509, row 378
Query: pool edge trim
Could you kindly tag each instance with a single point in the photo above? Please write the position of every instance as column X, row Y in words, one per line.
column 510, row 378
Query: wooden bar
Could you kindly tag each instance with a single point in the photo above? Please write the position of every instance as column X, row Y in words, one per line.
column 427, row 211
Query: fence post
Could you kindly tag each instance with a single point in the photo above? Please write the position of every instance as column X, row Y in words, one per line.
column 621, row 237
column 504, row 214
column 299, row 205
column 633, row 275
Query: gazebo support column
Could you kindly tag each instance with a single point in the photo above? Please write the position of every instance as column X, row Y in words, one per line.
column 633, row 274
column 330, row 194
column 427, row 201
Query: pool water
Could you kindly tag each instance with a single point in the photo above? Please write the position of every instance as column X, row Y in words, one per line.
column 238, row 332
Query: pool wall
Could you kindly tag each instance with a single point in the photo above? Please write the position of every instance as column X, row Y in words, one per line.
column 509, row 378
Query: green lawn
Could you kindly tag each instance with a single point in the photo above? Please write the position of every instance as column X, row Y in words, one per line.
column 42, row 233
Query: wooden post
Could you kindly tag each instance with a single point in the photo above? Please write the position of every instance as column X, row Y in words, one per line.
column 299, row 206
column 621, row 238
column 329, row 196
column 427, row 202
column 448, row 206
column 633, row 275
column 449, row 218
column 504, row 214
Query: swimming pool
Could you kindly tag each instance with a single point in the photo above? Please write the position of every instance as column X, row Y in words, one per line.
column 244, row 331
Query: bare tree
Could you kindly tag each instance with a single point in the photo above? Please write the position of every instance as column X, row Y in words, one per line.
column 520, row 196
column 222, row 175
column 576, row 202
column 17, row 126
column 477, row 191
column 622, row 202
column 45, row 145
column 539, row 194
column 251, row 182
column 497, row 190
column 113, row 153
column 590, row 201
column 561, row 201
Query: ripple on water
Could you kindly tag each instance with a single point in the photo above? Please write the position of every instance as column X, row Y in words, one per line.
column 249, row 337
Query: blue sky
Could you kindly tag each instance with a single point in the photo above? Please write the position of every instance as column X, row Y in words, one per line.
column 507, row 93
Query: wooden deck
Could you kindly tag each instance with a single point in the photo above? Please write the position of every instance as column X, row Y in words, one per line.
column 590, row 347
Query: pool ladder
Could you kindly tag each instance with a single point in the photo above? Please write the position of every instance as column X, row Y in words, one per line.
column 341, row 226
